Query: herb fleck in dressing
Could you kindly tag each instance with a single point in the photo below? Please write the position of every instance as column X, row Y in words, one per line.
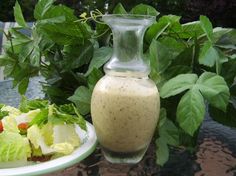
column 125, row 112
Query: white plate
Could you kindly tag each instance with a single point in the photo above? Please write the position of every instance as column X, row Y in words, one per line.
column 89, row 140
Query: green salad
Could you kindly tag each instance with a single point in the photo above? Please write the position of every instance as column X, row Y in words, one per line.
column 37, row 131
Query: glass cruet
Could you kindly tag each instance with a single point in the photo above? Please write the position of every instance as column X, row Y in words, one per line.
column 125, row 103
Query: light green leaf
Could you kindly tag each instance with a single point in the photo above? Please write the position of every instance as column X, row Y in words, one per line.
column 191, row 111
column 100, row 57
column 208, row 55
column 162, row 151
column 23, row 85
column 207, row 27
column 81, row 98
column 18, row 15
column 214, row 88
column 58, row 11
column 143, row 9
column 178, row 84
column 191, row 29
column 41, row 8
column 119, row 9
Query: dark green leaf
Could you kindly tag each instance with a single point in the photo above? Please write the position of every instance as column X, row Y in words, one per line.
column 119, row 9
column 160, row 57
column 162, row 151
column 77, row 55
column 191, row 111
column 26, row 51
column 155, row 30
column 143, row 9
column 228, row 71
column 214, row 88
column 35, row 56
column 207, row 27
column 18, row 15
column 100, row 57
column 23, row 85
column 6, row 60
column 178, row 84
column 81, row 98
column 169, row 132
column 41, row 7
column 93, row 77
column 66, row 33
column 226, row 118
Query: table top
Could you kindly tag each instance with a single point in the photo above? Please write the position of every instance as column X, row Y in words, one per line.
column 215, row 155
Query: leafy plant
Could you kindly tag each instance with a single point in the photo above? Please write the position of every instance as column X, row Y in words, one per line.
column 192, row 64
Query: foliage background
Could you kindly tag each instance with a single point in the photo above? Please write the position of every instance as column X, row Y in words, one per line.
column 220, row 12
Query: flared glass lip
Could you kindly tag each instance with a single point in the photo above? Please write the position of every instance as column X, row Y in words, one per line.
column 130, row 19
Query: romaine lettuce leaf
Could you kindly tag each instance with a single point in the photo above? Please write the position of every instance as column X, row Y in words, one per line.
column 27, row 117
column 9, row 124
column 12, row 111
column 37, row 140
column 13, row 150
column 63, row 148
column 66, row 134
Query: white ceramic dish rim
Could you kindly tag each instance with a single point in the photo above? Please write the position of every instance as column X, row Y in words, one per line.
column 57, row 164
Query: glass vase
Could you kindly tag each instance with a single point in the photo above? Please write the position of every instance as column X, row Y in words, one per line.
column 125, row 102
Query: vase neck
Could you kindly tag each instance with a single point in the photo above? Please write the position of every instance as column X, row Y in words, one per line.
column 128, row 32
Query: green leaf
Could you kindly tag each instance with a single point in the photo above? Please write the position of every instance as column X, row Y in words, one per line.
column 228, row 71
column 60, row 10
column 26, row 51
column 77, row 55
column 226, row 118
column 66, row 33
column 169, row 132
column 162, row 151
column 143, row 9
column 207, row 27
column 6, row 60
column 192, row 29
column 160, row 57
column 191, row 111
column 28, row 105
column 100, row 57
column 23, row 85
column 208, row 55
column 155, row 30
column 42, row 7
column 93, row 77
column 35, row 56
column 214, row 88
column 82, row 98
column 19, row 16
column 119, row 9
column 178, row 84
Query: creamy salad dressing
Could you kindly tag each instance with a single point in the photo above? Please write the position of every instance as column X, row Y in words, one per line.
column 125, row 112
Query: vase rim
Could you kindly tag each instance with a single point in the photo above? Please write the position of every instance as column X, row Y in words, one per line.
column 133, row 18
